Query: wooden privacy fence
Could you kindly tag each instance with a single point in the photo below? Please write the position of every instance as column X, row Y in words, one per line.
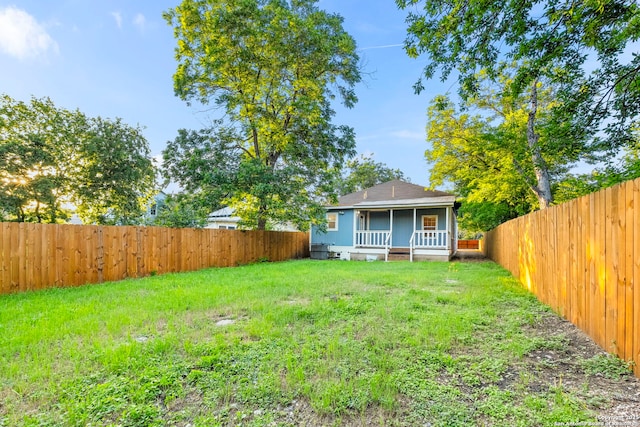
column 582, row 258
column 39, row 256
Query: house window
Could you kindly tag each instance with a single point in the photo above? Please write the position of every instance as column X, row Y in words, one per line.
column 332, row 221
column 430, row 222
column 153, row 210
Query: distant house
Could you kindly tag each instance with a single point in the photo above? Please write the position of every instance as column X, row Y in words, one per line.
column 391, row 220
column 154, row 206
column 225, row 219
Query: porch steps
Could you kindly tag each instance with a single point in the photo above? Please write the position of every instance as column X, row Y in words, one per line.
column 398, row 254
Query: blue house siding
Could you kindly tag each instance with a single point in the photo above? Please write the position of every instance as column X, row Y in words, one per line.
column 402, row 229
column 342, row 237
column 379, row 220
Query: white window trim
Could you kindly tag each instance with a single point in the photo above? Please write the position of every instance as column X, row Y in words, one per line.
column 336, row 221
column 428, row 216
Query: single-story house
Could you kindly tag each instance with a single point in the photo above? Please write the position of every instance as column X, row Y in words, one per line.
column 396, row 220
column 223, row 219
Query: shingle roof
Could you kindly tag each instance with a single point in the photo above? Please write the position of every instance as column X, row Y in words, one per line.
column 395, row 193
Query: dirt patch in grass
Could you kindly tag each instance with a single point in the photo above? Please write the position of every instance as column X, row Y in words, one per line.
column 612, row 397
column 607, row 392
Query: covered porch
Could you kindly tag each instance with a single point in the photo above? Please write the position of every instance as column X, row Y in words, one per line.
column 422, row 232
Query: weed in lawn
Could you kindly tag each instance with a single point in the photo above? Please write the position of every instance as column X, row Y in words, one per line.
column 606, row 365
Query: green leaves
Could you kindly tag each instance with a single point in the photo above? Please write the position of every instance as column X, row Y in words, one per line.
column 117, row 179
column 273, row 67
column 578, row 47
column 363, row 172
column 51, row 157
column 488, row 155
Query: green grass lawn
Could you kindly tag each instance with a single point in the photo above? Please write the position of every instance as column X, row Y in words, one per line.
column 311, row 343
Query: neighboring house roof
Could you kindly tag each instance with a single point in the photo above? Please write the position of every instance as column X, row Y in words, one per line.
column 226, row 212
column 396, row 193
column 226, row 216
column 223, row 218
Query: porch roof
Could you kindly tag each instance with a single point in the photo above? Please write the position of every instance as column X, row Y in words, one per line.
column 445, row 201
column 395, row 194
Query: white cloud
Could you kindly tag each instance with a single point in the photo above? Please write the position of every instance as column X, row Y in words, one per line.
column 140, row 21
column 118, row 18
column 22, row 36
column 384, row 46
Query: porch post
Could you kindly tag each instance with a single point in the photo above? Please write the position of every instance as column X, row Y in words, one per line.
column 356, row 215
column 413, row 234
column 449, row 236
column 415, row 218
column 391, row 224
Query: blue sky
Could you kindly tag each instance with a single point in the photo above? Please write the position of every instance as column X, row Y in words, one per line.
column 114, row 58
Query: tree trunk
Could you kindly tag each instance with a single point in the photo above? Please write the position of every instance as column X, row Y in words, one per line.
column 262, row 217
column 542, row 189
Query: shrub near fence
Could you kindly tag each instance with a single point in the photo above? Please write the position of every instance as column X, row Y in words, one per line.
column 39, row 256
column 582, row 258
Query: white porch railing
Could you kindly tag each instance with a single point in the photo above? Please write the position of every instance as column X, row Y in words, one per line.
column 428, row 240
column 437, row 239
column 375, row 238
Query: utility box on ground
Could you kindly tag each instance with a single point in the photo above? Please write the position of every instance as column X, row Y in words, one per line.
column 320, row 251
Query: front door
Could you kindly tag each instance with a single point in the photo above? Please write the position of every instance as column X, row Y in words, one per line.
column 363, row 223
column 402, row 228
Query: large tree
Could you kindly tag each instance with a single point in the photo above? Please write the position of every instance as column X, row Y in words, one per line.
column 550, row 41
column 482, row 148
column 51, row 158
column 115, row 176
column 272, row 67
column 37, row 142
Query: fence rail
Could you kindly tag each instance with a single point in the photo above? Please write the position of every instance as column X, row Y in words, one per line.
column 39, row 256
column 582, row 258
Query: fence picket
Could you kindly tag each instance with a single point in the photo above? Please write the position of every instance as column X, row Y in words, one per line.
column 619, row 227
column 611, row 278
column 592, row 225
column 582, row 217
column 628, row 272
column 5, row 267
column 635, row 332
column 601, row 269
